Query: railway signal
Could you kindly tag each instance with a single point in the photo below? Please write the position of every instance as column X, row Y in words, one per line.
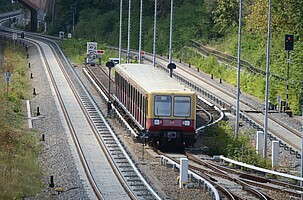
column 171, row 67
column 289, row 46
column 289, row 42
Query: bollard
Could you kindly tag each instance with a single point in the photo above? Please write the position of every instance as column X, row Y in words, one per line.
column 275, row 154
column 167, row 56
column 220, row 80
column 38, row 111
column 34, row 92
column 260, row 142
column 189, row 65
column 180, row 60
column 51, row 184
column 212, row 76
column 29, row 65
column 31, row 75
column 198, row 69
column 43, row 137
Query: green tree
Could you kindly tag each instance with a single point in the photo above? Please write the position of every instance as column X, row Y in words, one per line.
column 226, row 14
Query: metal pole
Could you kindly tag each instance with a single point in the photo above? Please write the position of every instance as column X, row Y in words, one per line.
column 239, row 70
column 143, row 142
column 171, row 36
column 155, row 34
column 140, row 32
column 109, row 99
column 7, row 93
column 74, row 10
column 301, row 183
column 120, row 32
column 287, row 78
column 109, row 74
column 128, row 32
column 267, row 81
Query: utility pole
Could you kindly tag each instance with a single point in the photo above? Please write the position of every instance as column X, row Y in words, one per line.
column 120, row 32
column 171, row 40
column 155, row 34
column 238, row 71
column 128, row 32
column 74, row 10
column 267, row 81
column 140, row 33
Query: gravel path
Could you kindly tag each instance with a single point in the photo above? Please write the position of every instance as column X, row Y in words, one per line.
column 56, row 158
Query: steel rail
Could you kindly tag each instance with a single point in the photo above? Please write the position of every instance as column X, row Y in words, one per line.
column 70, row 125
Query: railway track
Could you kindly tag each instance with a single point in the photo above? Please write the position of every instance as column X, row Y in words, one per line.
column 225, row 58
column 110, row 170
column 267, row 186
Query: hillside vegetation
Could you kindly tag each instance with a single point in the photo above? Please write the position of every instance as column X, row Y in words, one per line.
column 212, row 23
column 19, row 171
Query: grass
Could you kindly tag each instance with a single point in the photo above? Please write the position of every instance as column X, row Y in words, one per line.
column 20, row 175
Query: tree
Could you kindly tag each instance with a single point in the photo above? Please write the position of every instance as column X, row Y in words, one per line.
column 226, row 14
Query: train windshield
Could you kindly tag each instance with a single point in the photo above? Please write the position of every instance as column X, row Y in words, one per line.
column 181, row 106
column 162, row 105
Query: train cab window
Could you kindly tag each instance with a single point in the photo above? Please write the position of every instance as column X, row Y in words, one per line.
column 181, row 106
column 162, row 105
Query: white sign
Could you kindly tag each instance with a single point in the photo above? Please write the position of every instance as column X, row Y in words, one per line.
column 91, row 46
column 8, row 77
column 15, row 36
column 69, row 35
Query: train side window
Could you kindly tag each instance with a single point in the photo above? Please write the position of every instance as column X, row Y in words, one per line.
column 162, row 105
column 182, row 106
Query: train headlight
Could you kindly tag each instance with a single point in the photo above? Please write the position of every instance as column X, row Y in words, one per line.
column 185, row 123
column 158, row 122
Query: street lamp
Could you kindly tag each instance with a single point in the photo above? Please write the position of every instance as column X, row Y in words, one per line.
column 110, row 65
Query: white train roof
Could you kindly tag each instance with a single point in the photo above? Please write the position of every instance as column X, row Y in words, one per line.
column 150, row 78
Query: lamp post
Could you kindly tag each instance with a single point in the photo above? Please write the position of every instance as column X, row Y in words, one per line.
column 110, row 65
column 267, row 81
column 238, row 71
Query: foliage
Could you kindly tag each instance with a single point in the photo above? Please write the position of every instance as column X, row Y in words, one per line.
column 220, row 140
column 226, row 13
column 20, row 173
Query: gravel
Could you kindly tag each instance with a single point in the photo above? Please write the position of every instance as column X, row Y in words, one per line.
column 56, row 158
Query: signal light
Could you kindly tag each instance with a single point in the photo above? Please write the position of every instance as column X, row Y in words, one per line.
column 289, row 42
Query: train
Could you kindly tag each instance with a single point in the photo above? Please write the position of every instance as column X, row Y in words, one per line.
column 162, row 108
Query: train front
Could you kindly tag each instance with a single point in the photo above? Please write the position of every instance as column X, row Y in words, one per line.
column 171, row 118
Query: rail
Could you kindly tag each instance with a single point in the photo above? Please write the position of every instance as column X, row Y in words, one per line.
column 234, row 162
column 207, row 185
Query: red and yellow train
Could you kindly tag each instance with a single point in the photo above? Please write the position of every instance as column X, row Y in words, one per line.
column 162, row 106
